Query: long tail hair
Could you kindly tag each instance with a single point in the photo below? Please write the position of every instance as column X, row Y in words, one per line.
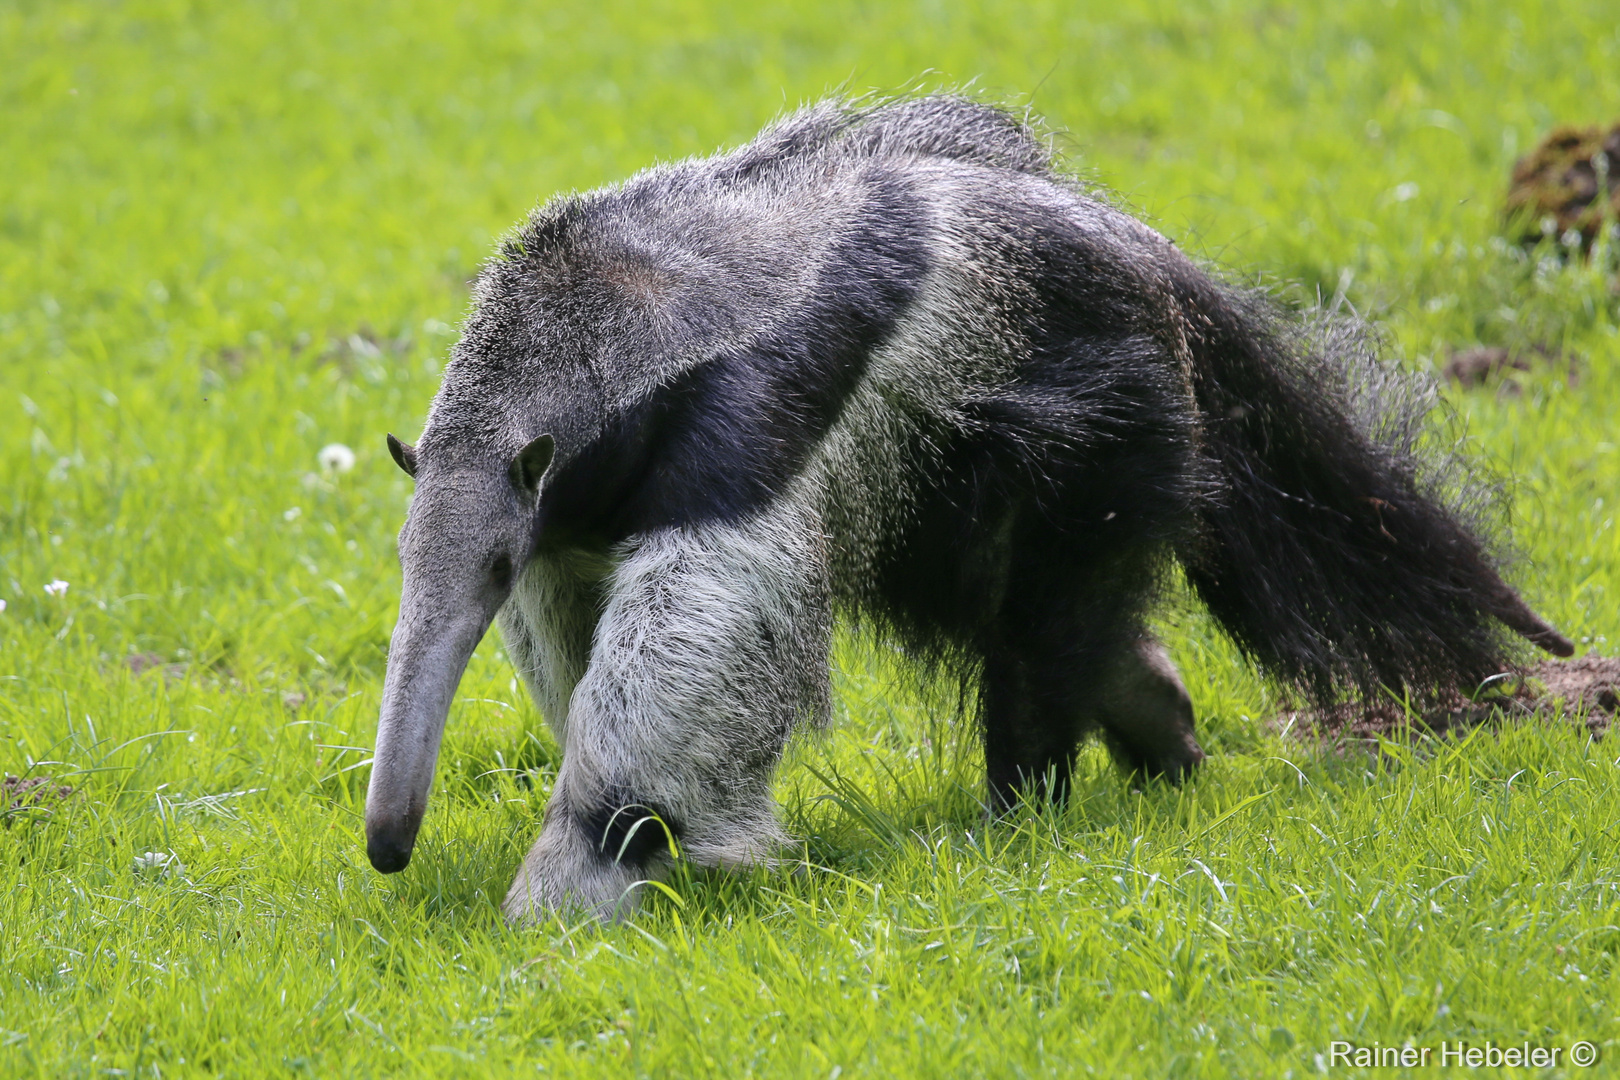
column 1338, row 552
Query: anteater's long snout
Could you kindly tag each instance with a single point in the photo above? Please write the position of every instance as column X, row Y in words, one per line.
column 389, row 842
column 426, row 658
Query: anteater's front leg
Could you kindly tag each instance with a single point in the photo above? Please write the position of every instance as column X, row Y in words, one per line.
column 712, row 645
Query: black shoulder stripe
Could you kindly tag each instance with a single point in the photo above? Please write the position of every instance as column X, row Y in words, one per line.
column 733, row 430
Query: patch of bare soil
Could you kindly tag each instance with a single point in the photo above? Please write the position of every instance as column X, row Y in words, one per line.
column 1588, row 686
column 1591, row 682
column 1496, row 365
column 31, row 796
column 1566, row 185
column 141, row 663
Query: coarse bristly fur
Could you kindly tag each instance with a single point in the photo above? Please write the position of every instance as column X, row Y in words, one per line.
column 886, row 360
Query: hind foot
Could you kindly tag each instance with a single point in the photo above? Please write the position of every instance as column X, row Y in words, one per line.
column 1147, row 716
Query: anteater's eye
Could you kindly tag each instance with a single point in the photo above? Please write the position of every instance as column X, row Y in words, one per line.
column 500, row 572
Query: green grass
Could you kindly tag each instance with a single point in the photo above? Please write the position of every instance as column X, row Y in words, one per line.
column 231, row 234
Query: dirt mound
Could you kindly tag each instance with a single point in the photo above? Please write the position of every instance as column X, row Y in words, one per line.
column 1556, row 187
column 30, row 796
column 1495, row 365
column 1589, row 685
column 141, row 663
column 1590, row 682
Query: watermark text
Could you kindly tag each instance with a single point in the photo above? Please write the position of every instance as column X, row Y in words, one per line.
column 1459, row 1055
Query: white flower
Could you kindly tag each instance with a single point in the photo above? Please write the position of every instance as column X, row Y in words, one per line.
column 1405, row 192
column 158, row 864
column 57, row 587
column 291, row 513
column 2, row 605
column 335, row 457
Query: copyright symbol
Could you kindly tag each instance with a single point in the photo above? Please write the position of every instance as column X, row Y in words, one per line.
column 1583, row 1054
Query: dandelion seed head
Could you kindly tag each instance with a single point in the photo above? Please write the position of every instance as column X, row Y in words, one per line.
column 335, row 457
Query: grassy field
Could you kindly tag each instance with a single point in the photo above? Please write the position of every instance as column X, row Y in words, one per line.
column 231, row 234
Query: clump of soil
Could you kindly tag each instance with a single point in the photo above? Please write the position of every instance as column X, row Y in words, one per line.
column 1591, row 682
column 1564, row 185
column 1588, row 684
column 32, row 796
column 1495, row 365
column 143, row 661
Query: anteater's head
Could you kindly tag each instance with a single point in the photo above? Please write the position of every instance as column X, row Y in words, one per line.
column 471, row 528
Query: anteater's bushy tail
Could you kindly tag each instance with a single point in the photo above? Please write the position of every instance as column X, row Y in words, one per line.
column 1338, row 552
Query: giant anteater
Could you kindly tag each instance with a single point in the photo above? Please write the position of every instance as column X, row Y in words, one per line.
column 887, row 360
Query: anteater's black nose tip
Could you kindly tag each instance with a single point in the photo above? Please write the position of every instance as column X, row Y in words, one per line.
column 388, row 851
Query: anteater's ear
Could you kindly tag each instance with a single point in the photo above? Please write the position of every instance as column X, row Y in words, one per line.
column 531, row 464
column 404, row 454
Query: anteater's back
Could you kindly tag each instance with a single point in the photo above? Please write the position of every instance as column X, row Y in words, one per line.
column 903, row 317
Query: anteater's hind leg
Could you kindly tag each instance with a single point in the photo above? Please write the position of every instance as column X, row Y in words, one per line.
column 1146, row 715
column 1067, row 656
column 1031, row 726
column 1056, row 634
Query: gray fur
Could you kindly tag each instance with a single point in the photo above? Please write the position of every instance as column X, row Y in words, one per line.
column 777, row 380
